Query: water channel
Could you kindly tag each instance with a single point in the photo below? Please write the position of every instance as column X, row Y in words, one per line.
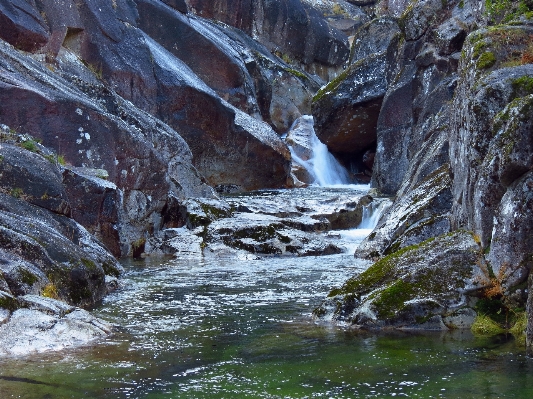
column 242, row 328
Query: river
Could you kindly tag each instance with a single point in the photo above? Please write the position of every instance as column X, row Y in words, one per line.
column 230, row 328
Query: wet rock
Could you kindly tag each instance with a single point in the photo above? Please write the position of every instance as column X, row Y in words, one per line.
column 417, row 213
column 71, row 262
column 201, row 212
column 30, row 331
column 96, row 204
column 461, row 319
column 269, row 235
column 413, row 288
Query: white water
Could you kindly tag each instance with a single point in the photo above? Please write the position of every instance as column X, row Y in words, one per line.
column 322, row 166
column 371, row 215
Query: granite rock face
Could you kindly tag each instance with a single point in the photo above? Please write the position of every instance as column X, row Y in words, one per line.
column 453, row 146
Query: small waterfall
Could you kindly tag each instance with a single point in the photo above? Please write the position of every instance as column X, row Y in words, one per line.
column 371, row 214
column 311, row 154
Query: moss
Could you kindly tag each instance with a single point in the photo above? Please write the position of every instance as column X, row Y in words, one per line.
column 137, row 247
column 50, row 291
column 486, row 60
column 296, row 73
column 8, row 302
column 1, row 158
column 378, row 273
column 332, row 86
column 393, row 298
column 522, row 86
column 110, row 269
column 478, row 48
column 89, row 264
column 484, row 325
column 27, row 277
column 17, row 192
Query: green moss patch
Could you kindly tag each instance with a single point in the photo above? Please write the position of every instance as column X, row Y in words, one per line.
column 486, row 60
column 484, row 325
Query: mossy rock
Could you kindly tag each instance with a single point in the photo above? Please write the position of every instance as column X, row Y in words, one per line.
column 412, row 285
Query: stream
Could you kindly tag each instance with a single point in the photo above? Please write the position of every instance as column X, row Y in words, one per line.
column 242, row 328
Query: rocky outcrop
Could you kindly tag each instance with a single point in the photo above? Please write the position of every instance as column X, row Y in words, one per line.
column 291, row 28
column 346, row 110
column 453, row 146
column 423, row 286
column 493, row 153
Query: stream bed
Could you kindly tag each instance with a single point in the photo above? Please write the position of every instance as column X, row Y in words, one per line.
column 242, row 328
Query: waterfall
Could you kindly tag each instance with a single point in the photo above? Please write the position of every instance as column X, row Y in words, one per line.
column 311, row 154
column 371, row 214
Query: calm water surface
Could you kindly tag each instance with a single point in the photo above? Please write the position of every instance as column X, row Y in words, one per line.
column 242, row 329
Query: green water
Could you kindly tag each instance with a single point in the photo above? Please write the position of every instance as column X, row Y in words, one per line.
column 242, row 329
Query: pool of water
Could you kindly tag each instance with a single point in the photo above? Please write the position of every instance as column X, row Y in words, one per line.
column 194, row 328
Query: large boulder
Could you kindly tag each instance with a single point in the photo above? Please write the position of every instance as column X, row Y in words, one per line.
column 423, row 286
column 40, row 249
column 347, row 109
column 140, row 154
column 44, row 324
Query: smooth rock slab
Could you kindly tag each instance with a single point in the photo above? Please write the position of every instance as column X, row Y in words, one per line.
column 32, row 331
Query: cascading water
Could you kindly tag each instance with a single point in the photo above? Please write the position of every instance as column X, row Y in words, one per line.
column 311, row 154
column 371, row 215
column 370, row 218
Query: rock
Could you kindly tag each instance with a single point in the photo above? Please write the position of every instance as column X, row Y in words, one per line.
column 179, row 5
column 417, row 213
column 26, row 174
column 461, row 319
column 413, row 288
column 96, row 204
column 374, row 37
column 22, row 26
column 416, row 19
column 347, row 109
column 529, row 329
column 511, row 252
column 30, row 331
column 45, row 305
column 269, row 235
column 135, row 151
column 67, row 258
column 477, row 190
column 288, row 27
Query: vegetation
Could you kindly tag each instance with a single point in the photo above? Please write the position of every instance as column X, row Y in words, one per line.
column 50, row 291
column 502, row 11
column 29, row 145
column 486, row 60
